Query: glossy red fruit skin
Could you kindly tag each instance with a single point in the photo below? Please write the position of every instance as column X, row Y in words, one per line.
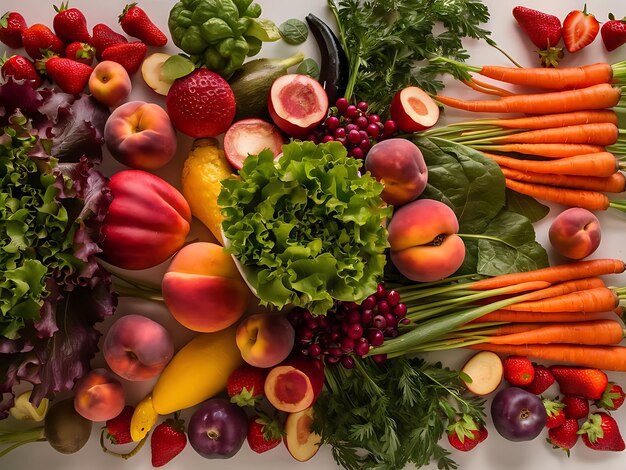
column 565, row 436
column 136, row 23
column 579, row 30
column 542, row 381
column 39, row 37
column 118, row 428
column 70, row 25
column 245, row 386
column 69, row 75
column 584, row 382
column 166, row 442
column 20, row 68
column 468, row 443
column 80, row 52
column 601, row 432
column 129, row 55
column 256, row 437
column 518, row 371
column 208, row 111
column 575, row 407
column 543, row 29
column 612, row 397
column 147, row 222
column 103, row 37
column 11, row 32
column 613, row 33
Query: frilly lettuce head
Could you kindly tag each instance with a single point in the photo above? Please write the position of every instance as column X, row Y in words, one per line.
column 308, row 226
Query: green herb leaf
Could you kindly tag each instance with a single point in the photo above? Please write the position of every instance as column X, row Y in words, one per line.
column 294, row 31
column 309, row 67
column 175, row 67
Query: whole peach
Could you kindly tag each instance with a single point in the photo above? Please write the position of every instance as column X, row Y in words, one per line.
column 203, row 289
column 109, row 83
column 140, row 135
column 137, row 348
column 99, row 396
column 423, row 241
column 265, row 340
column 575, row 233
column 399, row 165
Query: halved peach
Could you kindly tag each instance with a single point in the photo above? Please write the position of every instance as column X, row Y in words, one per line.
column 414, row 110
column 295, row 384
column 301, row 442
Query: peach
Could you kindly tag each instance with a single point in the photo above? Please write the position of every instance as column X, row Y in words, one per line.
column 423, row 241
column 99, row 396
column 399, row 165
column 295, row 384
column 109, row 83
column 575, row 233
column 265, row 339
column 137, row 348
column 140, row 135
column 203, row 289
column 301, row 442
column 413, row 109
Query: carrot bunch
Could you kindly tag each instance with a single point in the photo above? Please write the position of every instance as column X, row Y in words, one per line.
column 567, row 151
column 565, row 308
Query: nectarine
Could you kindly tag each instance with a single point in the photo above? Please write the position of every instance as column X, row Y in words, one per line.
column 575, row 233
column 265, row 340
column 109, row 83
column 99, row 396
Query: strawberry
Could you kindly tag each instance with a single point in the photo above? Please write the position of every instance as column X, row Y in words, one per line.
column 612, row 397
column 71, row 76
column 80, row 52
column 245, row 385
column 264, row 433
column 11, row 26
column 118, row 428
column 580, row 381
column 129, row 54
column 575, row 407
column 613, row 33
column 600, row 432
column 70, row 24
column 102, row 37
column 544, row 31
column 167, row 441
column 556, row 415
column 564, row 436
column 518, row 370
column 20, row 68
column 579, row 29
column 39, row 38
column 466, row 433
column 542, row 381
column 135, row 23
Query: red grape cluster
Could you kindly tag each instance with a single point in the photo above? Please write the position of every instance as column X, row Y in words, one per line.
column 353, row 127
column 350, row 328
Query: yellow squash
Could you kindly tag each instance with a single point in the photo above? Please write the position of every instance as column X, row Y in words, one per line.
column 144, row 418
column 197, row 372
column 204, row 168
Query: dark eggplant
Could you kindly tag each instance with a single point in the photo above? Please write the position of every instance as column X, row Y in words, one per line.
column 334, row 67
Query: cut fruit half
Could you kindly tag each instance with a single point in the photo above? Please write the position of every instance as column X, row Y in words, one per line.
column 297, row 104
column 295, row 384
column 414, row 110
column 301, row 442
column 485, row 371
column 151, row 73
column 251, row 137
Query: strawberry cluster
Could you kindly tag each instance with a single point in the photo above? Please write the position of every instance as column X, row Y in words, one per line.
column 65, row 54
column 578, row 30
column 581, row 389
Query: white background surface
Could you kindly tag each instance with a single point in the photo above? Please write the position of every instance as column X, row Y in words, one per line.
column 496, row 453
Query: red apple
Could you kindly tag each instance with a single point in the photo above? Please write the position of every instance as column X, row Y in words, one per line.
column 265, row 340
column 575, row 233
column 414, row 110
column 250, row 137
column 137, row 348
column 297, row 104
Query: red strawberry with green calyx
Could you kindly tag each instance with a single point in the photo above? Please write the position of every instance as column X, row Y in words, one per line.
column 69, row 75
column 565, row 436
column 103, row 37
column 583, row 382
column 38, row 39
column 70, row 24
column 613, row 33
column 518, row 370
column 11, row 26
column 118, row 428
column 542, row 381
column 129, row 54
column 167, row 441
column 466, row 433
column 136, row 23
column 80, row 52
column 575, row 407
column 556, row 415
column 20, row 68
column 612, row 397
column 579, row 29
column 245, row 386
column 264, row 433
column 544, row 30
column 601, row 432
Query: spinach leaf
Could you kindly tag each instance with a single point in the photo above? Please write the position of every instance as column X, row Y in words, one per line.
column 526, row 205
column 309, row 67
column 294, row 31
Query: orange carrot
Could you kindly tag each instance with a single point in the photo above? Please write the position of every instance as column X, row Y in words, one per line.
column 599, row 299
column 588, row 332
column 601, row 164
column 554, row 120
column 599, row 133
column 543, row 150
column 566, row 287
column 554, row 274
column 552, row 78
column 486, row 88
column 534, row 317
column 593, row 97
column 600, row 357
column 590, row 200
column 616, row 183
